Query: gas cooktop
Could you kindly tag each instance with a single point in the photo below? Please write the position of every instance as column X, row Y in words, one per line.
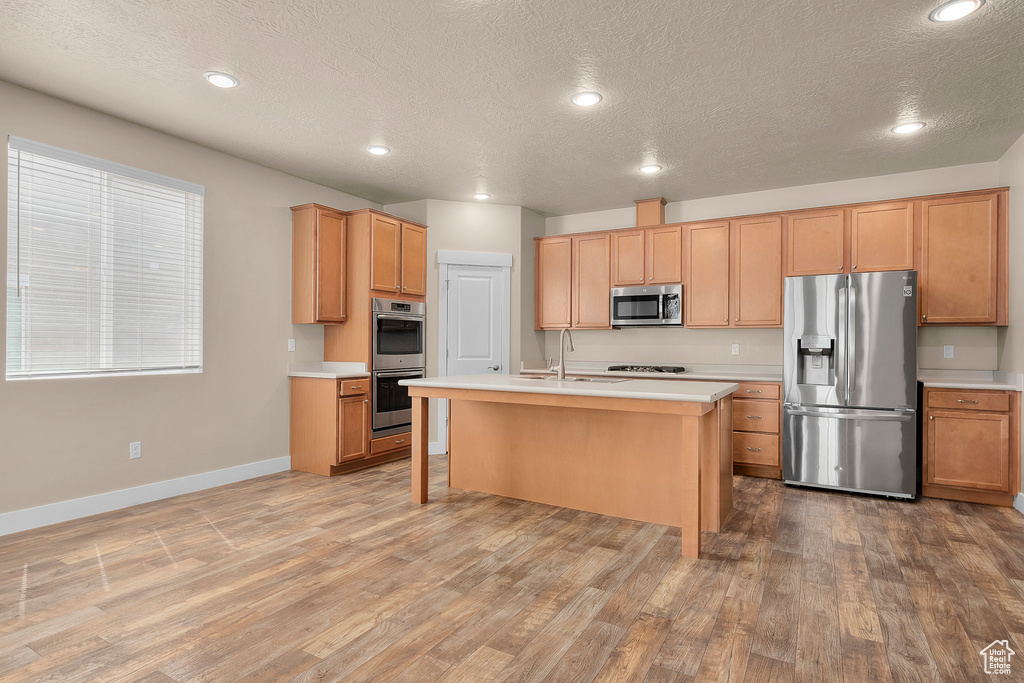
column 676, row 369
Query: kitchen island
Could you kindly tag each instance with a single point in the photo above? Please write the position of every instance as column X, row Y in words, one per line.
column 651, row 451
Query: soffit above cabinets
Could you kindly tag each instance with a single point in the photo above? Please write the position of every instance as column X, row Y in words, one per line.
column 473, row 96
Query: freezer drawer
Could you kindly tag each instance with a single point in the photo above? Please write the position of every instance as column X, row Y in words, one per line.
column 874, row 451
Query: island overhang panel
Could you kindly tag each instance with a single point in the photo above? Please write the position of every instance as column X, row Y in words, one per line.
column 628, row 450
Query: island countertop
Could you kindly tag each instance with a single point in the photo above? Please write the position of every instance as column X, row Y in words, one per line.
column 649, row 389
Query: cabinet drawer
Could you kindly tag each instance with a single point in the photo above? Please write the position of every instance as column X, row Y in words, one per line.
column 352, row 387
column 390, row 443
column 755, row 449
column 755, row 416
column 752, row 390
column 992, row 401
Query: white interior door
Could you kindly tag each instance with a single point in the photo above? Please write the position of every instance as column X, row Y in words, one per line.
column 476, row 324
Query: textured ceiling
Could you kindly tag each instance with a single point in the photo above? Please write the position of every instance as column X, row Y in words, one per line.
column 473, row 95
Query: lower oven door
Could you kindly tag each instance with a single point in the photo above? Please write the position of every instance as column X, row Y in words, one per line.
column 392, row 407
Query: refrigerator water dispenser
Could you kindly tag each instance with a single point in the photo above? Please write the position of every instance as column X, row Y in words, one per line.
column 816, row 360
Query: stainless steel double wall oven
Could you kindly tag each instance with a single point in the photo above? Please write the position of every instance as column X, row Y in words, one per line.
column 399, row 336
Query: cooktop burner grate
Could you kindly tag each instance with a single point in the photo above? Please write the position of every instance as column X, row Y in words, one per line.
column 676, row 369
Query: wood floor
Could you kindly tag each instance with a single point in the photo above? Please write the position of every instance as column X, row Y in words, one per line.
column 300, row 577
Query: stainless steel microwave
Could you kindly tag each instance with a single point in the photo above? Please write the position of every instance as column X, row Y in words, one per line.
column 652, row 305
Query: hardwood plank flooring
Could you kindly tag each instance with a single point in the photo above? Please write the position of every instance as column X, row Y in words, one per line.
column 306, row 578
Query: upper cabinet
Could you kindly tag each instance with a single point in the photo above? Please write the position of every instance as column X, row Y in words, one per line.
column 882, row 237
column 318, row 264
column 816, row 243
column 572, row 282
column 964, row 260
column 734, row 273
column 652, row 256
column 414, row 260
column 398, row 255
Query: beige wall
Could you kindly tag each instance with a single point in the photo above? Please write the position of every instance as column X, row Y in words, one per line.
column 479, row 227
column 976, row 348
column 64, row 439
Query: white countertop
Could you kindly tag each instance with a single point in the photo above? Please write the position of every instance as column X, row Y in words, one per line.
column 726, row 373
column 328, row 370
column 993, row 380
column 694, row 392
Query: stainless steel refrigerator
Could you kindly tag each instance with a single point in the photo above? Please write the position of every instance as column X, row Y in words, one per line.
column 850, row 382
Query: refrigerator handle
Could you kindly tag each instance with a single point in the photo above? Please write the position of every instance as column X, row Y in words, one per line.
column 851, row 343
column 841, row 352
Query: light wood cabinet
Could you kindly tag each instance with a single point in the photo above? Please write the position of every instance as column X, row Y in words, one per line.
column 553, row 283
column 816, row 243
column 329, row 424
column 318, row 264
column 971, row 445
column 963, row 260
column 353, row 427
column 734, row 273
column 706, row 262
column 652, row 256
column 756, row 266
column 591, row 287
column 756, row 420
column 882, row 237
column 414, row 260
column 385, row 253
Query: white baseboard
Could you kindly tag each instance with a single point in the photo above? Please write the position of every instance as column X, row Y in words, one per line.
column 436, row 448
column 1018, row 502
column 44, row 515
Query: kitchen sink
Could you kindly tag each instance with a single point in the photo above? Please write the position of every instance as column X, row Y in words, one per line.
column 598, row 380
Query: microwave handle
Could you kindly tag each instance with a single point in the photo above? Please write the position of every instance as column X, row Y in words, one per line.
column 399, row 373
column 661, row 307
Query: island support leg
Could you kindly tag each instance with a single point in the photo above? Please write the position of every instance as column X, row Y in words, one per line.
column 691, row 457
column 420, row 444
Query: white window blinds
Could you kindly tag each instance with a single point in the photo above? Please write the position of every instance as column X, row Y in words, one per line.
column 104, row 267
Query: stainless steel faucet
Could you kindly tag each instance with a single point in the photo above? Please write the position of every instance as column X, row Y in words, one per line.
column 561, row 351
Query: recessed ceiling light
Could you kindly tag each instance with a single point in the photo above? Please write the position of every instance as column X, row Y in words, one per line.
column 586, row 99
column 908, row 128
column 220, row 79
column 955, row 9
column 377, row 149
column 481, row 195
column 650, row 168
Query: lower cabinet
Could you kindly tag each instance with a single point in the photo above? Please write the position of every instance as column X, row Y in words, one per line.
column 971, row 441
column 330, row 427
column 756, row 420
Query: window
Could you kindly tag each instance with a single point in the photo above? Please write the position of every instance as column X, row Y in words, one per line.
column 104, row 267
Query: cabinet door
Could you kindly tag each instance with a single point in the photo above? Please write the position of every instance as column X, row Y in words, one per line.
column 414, row 260
column 968, row 450
column 553, row 283
column 959, row 257
column 592, row 281
column 815, row 243
column 627, row 258
column 385, row 238
column 882, row 237
column 706, row 262
column 353, row 419
column 330, row 267
column 757, row 272
column 665, row 255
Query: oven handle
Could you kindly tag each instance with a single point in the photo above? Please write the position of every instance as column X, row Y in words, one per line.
column 399, row 373
column 392, row 316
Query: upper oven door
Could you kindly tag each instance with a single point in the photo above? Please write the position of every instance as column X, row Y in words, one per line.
column 647, row 305
column 398, row 341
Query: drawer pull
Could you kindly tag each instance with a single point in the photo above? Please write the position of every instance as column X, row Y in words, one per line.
column 754, row 391
column 400, row 441
column 753, row 417
column 756, row 450
column 960, row 400
column 357, row 387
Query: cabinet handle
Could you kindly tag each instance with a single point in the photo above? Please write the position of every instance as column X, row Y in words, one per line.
column 400, row 441
column 753, row 417
column 840, row 269
column 756, row 450
column 753, row 391
column 924, row 317
column 726, row 320
column 366, row 401
column 960, row 400
column 931, row 417
column 854, row 267
column 357, row 387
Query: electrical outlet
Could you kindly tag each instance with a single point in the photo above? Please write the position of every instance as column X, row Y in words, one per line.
column 947, row 351
column 134, row 450
column 735, row 349
column 291, row 344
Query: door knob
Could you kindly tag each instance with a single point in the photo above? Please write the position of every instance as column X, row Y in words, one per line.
column 494, row 367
